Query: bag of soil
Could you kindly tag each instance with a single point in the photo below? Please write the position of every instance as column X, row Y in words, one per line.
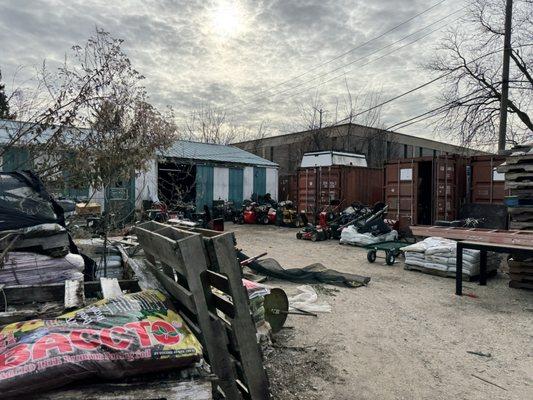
column 112, row 338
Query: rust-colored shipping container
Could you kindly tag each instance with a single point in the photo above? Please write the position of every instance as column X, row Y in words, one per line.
column 421, row 190
column 288, row 187
column 484, row 183
column 338, row 182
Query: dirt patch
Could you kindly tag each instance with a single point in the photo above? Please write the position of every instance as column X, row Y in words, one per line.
column 404, row 336
column 298, row 371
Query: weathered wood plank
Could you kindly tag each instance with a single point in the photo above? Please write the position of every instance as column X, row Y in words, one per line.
column 191, row 249
column 172, row 287
column 242, row 324
column 218, row 281
column 160, row 247
column 110, row 288
column 74, row 294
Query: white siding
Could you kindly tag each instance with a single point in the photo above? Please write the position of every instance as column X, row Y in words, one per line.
column 220, row 183
column 272, row 182
column 146, row 185
column 248, row 182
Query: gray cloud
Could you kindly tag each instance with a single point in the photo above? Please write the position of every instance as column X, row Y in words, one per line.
column 187, row 65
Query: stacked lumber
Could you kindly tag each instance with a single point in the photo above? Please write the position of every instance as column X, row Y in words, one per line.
column 521, row 273
column 518, row 169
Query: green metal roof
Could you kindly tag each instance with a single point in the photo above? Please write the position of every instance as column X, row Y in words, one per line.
column 218, row 153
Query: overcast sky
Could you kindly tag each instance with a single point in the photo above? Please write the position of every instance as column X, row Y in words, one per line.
column 241, row 55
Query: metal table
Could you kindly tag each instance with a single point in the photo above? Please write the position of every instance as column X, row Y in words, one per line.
column 483, row 248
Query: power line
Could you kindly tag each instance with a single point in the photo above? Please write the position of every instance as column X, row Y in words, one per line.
column 353, row 62
column 369, row 62
column 350, row 50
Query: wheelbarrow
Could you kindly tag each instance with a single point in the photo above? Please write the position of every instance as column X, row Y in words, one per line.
column 391, row 250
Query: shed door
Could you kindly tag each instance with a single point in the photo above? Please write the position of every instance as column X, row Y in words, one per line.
column 204, row 187
column 260, row 181
column 120, row 201
column 15, row 159
column 236, row 179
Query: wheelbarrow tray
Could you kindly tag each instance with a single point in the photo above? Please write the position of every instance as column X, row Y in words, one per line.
column 394, row 245
column 391, row 249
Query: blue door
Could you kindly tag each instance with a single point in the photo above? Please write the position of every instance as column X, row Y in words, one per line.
column 236, row 176
column 260, row 181
column 204, row 187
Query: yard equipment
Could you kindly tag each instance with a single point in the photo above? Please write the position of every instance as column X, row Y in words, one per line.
column 252, row 213
column 391, row 249
column 287, row 215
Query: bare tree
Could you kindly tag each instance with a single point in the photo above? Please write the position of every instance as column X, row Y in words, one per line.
column 470, row 58
column 354, row 126
column 209, row 125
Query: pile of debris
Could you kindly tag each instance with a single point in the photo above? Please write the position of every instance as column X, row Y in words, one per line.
column 438, row 256
column 368, row 227
column 518, row 169
column 35, row 247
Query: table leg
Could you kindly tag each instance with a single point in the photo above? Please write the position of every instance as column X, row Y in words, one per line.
column 459, row 270
column 483, row 267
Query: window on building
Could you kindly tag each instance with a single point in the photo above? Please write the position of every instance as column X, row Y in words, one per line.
column 405, row 153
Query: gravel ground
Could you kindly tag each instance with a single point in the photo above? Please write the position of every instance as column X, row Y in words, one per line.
column 404, row 336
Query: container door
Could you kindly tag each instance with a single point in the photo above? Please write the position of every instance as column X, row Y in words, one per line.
column 236, row 180
column 445, row 191
column 204, row 187
column 401, row 192
column 487, row 185
column 15, row 159
column 260, row 181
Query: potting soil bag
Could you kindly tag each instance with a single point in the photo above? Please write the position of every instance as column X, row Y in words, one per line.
column 112, row 338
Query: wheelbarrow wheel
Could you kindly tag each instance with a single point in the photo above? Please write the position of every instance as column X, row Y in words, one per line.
column 371, row 256
column 390, row 258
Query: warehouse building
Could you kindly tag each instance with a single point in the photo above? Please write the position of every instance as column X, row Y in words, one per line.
column 377, row 145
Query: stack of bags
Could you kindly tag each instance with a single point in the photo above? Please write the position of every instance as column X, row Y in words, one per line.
column 439, row 255
column 25, row 268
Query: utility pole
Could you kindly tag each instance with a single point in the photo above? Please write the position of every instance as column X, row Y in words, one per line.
column 320, row 111
column 505, row 75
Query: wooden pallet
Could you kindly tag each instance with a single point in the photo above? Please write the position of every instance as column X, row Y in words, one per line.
column 446, row 274
column 188, row 264
column 521, row 285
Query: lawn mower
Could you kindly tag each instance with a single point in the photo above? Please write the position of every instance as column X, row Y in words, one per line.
column 287, row 215
column 315, row 233
column 253, row 213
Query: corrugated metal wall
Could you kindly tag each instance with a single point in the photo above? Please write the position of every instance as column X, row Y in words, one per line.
column 485, row 183
column 220, row 183
column 204, row 186
column 236, row 186
column 260, row 181
column 318, row 186
column 423, row 190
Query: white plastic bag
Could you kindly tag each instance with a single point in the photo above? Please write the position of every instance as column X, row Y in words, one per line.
column 306, row 301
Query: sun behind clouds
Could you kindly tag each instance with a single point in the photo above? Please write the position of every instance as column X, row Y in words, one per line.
column 227, row 19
